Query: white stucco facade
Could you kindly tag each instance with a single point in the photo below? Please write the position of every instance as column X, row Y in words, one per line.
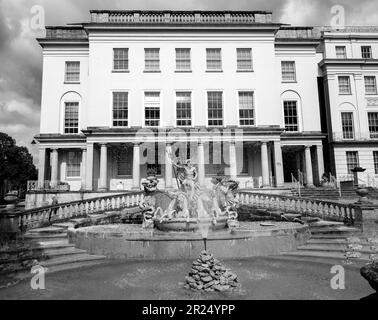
column 262, row 154
column 358, row 139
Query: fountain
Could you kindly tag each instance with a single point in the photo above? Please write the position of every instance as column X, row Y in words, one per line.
column 178, row 223
column 191, row 205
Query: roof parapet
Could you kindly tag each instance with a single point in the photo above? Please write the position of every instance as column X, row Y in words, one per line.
column 181, row 17
column 66, row 32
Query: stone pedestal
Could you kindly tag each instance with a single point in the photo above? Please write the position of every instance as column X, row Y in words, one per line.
column 367, row 220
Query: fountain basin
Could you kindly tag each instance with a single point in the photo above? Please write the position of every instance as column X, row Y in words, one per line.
column 132, row 242
column 181, row 224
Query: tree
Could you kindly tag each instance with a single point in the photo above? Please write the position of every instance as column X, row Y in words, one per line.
column 16, row 165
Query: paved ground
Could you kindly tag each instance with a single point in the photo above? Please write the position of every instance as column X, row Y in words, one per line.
column 261, row 279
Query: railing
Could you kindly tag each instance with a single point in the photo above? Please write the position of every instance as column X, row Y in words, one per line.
column 35, row 218
column 180, row 17
column 325, row 210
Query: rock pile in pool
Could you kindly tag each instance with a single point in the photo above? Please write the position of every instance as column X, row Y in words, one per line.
column 209, row 274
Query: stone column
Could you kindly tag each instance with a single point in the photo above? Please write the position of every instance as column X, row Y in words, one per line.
column 103, row 166
column 136, row 167
column 232, row 156
column 309, row 179
column 83, row 167
column 41, row 167
column 278, row 164
column 168, row 166
column 264, row 164
column 89, row 168
column 201, row 163
column 319, row 154
column 54, row 168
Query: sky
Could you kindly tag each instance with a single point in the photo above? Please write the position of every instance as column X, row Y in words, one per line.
column 21, row 59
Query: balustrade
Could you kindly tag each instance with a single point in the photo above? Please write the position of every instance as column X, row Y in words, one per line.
column 177, row 17
column 326, row 210
column 44, row 215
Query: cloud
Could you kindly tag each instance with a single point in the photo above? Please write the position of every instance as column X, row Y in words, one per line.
column 20, row 54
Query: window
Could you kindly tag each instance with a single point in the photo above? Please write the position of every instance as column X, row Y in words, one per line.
column 71, row 117
column 373, row 124
column 352, row 160
column 370, row 85
column 244, row 58
column 152, row 60
column 183, row 109
column 291, row 116
column 73, row 164
column 182, row 59
column 341, row 52
column 121, row 59
column 215, row 108
column 288, row 71
column 344, row 85
column 124, row 162
column 213, row 59
column 152, row 108
column 72, row 71
column 347, row 125
column 366, row 52
column 246, row 108
column 375, row 156
column 120, row 109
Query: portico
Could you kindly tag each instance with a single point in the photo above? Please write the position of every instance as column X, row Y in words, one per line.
column 106, row 162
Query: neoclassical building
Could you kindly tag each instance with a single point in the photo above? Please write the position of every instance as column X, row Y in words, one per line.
column 233, row 91
column 349, row 70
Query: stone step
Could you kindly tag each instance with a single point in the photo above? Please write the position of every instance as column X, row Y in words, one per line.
column 44, row 237
column 322, row 254
column 44, row 255
column 48, row 253
column 64, row 225
column 38, row 247
column 46, row 243
column 310, row 219
column 342, row 241
column 335, row 248
column 74, row 265
column 335, row 230
column 330, row 236
column 47, row 230
column 83, row 257
column 324, row 224
column 356, row 264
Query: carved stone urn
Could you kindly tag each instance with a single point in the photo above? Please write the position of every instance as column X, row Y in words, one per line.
column 362, row 193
